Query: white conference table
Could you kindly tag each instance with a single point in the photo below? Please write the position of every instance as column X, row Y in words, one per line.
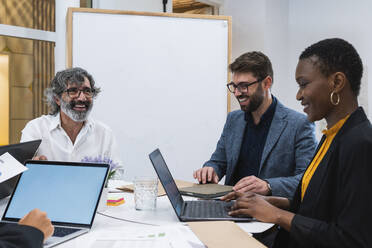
column 163, row 218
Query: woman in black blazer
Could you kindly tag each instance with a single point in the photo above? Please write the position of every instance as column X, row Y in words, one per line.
column 332, row 206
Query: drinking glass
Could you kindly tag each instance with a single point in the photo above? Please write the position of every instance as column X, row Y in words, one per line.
column 145, row 193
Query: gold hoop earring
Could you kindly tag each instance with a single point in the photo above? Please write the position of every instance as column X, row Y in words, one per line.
column 338, row 98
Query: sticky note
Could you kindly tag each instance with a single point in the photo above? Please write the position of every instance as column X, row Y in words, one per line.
column 115, row 201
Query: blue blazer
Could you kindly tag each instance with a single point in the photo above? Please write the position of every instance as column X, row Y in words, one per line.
column 290, row 145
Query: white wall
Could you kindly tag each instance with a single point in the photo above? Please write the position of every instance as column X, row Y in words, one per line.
column 247, row 28
column 276, row 45
column 248, row 24
column 261, row 25
column 60, row 48
column 134, row 5
column 312, row 21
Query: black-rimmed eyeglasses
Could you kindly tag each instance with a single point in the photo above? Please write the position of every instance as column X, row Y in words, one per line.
column 241, row 87
column 74, row 92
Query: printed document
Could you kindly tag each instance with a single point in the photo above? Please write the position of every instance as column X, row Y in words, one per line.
column 9, row 167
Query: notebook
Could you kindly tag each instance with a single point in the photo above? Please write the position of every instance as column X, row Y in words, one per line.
column 68, row 192
column 21, row 152
column 206, row 191
column 200, row 210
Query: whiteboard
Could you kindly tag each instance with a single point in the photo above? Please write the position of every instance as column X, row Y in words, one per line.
column 163, row 79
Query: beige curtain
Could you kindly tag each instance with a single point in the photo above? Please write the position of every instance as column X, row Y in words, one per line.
column 44, row 18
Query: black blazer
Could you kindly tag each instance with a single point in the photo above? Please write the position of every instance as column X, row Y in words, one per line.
column 337, row 207
column 14, row 235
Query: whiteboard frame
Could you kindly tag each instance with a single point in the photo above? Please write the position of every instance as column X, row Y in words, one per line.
column 69, row 30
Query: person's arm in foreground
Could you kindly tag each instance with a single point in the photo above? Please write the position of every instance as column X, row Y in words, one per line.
column 39, row 220
column 31, row 231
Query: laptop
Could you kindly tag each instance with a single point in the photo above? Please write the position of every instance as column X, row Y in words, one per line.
column 200, row 210
column 68, row 192
column 21, row 152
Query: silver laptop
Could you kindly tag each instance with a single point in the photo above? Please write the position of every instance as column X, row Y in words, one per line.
column 68, row 192
column 191, row 210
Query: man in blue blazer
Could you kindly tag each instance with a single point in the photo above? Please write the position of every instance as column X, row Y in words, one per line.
column 264, row 147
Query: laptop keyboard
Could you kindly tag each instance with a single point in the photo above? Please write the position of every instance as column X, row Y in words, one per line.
column 63, row 231
column 207, row 209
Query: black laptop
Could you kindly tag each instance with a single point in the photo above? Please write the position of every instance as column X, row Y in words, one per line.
column 200, row 210
column 21, row 152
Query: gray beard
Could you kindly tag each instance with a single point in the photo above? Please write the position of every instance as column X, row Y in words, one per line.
column 78, row 116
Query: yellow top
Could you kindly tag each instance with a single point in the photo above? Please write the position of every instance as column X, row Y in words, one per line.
column 330, row 135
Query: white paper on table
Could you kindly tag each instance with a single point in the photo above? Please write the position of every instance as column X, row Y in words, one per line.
column 152, row 237
column 131, row 243
column 113, row 184
column 255, row 226
column 10, row 167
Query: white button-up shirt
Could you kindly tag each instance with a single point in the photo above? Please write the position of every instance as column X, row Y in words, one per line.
column 94, row 143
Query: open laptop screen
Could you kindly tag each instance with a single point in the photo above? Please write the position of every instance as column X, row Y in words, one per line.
column 21, row 151
column 167, row 180
column 68, row 192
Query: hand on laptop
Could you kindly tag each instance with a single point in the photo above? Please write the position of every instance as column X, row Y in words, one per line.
column 206, row 175
column 253, row 184
column 39, row 220
column 252, row 204
column 41, row 157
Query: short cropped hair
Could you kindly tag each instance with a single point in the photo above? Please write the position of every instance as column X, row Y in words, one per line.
column 59, row 84
column 337, row 55
column 254, row 62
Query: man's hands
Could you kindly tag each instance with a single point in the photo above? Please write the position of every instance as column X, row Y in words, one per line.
column 250, row 183
column 39, row 220
column 41, row 157
column 253, row 184
column 205, row 175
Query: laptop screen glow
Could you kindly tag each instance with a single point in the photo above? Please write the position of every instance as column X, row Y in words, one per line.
column 67, row 193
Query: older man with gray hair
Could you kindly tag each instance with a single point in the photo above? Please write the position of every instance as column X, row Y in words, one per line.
column 67, row 133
